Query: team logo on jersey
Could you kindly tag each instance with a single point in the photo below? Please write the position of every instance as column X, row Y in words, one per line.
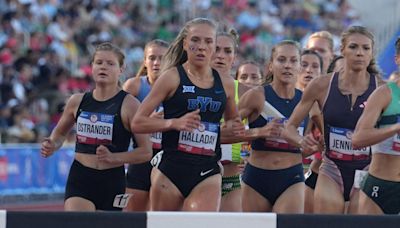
column 204, row 104
column 363, row 105
column 202, row 128
column 93, row 118
column 188, row 89
column 349, row 134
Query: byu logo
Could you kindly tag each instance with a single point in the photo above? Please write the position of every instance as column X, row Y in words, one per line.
column 203, row 103
column 188, row 89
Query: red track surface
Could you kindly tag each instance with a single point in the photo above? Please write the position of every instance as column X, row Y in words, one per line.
column 36, row 206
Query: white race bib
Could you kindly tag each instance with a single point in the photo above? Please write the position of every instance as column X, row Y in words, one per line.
column 200, row 141
column 340, row 141
column 359, row 177
column 156, row 138
column 94, row 128
column 226, row 150
column 396, row 143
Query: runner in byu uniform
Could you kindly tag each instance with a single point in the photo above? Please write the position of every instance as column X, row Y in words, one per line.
column 103, row 121
column 342, row 97
column 194, row 97
column 138, row 176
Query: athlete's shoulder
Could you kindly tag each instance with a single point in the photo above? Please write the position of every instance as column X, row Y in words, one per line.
column 75, row 99
column 384, row 90
column 380, row 80
column 130, row 98
column 321, row 83
column 258, row 89
column 73, row 104
column 130, row 103
column 255, row 93
column 169, row 71
column 242, row 88
column 170, row 75
column 227, row 81
column 132, row 85
column 167, row 83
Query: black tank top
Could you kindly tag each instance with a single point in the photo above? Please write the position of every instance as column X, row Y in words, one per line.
column 202, row 144
column 100, row 123
column 340, row 118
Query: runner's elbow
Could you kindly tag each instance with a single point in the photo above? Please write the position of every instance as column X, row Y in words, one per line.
column 137, row 125
column 356, row 142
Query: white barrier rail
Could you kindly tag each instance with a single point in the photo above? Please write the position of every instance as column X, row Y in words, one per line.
column 190, row 220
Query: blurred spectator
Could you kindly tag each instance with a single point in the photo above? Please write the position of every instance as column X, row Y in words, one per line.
column 21, row 129
column 5, row 116
column 45, row 44
column 394, row 76
column 249, row 18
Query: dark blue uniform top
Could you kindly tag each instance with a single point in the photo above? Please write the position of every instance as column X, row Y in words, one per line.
column 285, row 107
column 187, row 98
column 337, row 110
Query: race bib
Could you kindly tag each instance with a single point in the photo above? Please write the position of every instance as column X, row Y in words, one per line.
column 200, row 141
column 396, row 143
column 156, row 138
column 359, row 178
column 94, row 128
column 280, row 143
column 226, row 150
column 340, row 141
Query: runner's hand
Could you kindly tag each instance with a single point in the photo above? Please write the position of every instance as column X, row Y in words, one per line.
column 188, row 122
column 273, row 128
column 310, row 144
column 104, row 154
column 236, row 126
column 158, row 115
column 47, row 148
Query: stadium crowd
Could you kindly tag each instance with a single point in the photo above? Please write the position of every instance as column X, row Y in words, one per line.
column 45, row 45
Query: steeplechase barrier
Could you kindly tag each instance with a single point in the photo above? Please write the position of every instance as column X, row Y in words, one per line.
column 190, row 220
